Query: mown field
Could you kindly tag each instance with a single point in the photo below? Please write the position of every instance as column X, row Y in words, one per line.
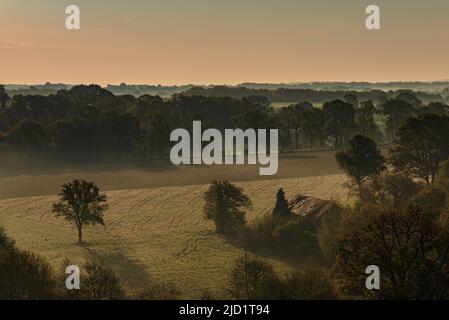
column 151, row 233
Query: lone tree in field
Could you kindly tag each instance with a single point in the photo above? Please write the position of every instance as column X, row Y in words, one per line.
column 361, row 159
column 281, row 209
column 81, row 203
column 224, row 205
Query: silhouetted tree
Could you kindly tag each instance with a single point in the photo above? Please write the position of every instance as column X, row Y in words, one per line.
column 158, row 135
column 100, row 283
column 312, row 125
column 292, row 117
column 84, row 95
column 224, row 205
column 282, row 208
column 421, row 146
column 411, row 248
column 252, row 278
column 81, row 203
column 4, row 97
column 361, row 159
column 339, row 121
column 364, row 118
column 397, row 113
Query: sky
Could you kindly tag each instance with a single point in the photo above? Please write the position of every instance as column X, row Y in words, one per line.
column 222, row 41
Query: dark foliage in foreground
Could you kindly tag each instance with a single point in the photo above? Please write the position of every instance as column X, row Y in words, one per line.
column 411, row 248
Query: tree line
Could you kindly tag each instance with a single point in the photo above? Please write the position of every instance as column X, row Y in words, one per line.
column 88, row 123
column 319, row 93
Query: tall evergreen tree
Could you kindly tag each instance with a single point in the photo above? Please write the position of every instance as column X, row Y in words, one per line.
column 281, row 209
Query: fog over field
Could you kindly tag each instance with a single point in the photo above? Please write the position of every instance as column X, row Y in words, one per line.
column 47, row 180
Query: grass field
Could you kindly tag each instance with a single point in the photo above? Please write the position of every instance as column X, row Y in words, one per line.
column 151, row 233
column 140, row 175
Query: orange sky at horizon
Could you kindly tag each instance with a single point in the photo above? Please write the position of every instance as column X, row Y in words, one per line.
column 217, row 42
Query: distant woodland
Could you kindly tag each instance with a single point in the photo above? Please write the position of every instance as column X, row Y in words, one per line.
column 87, row 123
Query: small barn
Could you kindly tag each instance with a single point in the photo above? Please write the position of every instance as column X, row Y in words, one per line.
column 308, row 206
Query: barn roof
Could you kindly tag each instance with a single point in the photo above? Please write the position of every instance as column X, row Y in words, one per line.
column 309, row 206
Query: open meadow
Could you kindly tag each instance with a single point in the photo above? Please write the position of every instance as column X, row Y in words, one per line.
column 154, row 231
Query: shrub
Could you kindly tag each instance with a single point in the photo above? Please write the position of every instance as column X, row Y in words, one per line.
column 297, row 237
column 328, row 230
column 164, row 290
column 310, row 282
column 252, row 279
column 391, row 189
column 23, row 274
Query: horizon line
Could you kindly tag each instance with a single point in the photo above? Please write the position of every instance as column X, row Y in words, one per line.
column 222, row 84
